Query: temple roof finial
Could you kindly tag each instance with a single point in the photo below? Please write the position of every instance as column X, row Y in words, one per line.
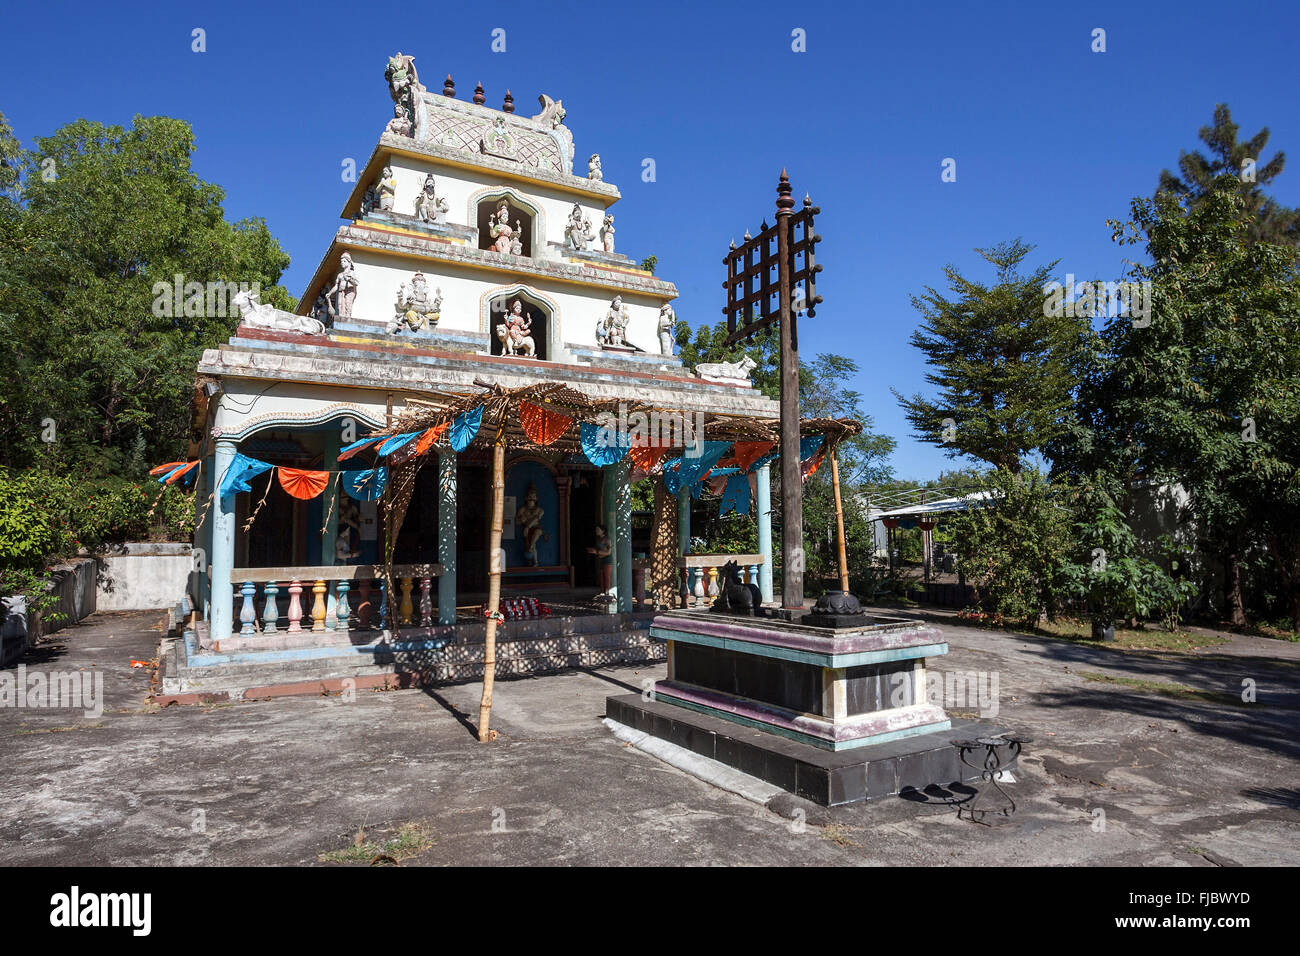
column 478, row 94
column 449, row 87
column 509, row 104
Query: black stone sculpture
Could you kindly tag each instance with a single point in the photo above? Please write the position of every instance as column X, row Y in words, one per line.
column 734, row 596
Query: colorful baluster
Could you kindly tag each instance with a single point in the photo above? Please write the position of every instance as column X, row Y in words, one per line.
column 426, row 601
column 364, row 608
column 341, row 606
column 406, row 609
column 295, row 606
column 713, row 583
column 383, row 604
column 318, row 606
column 698, row 589
column 248, row 613
column 271, row 608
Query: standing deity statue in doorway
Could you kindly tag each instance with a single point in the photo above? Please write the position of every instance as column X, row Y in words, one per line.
column 344, row 289
column 529, row 520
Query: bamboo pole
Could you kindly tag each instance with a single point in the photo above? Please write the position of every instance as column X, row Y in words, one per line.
column 839, row 522
column 494, row 584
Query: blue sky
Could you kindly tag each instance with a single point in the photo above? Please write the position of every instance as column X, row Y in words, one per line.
column 1050, row 138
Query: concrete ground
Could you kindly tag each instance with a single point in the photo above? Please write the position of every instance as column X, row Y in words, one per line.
column 1115, row 775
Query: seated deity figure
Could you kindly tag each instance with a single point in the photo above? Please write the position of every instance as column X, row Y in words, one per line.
column 577, row 231
column 400, row 124
column 500, row 229
column 593, row 168
column 344, row 290
column 416, row 309
column 667, row 323
column 612, row 329
column 529, row 520
column 516, row 332
column 429, row 207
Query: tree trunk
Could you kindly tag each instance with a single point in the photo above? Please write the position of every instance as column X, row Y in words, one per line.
column 494, row 590
column 1232, row 589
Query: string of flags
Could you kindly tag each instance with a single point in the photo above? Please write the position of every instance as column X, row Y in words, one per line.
column 723, row 468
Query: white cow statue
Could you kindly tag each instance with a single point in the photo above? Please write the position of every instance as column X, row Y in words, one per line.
column 259, row 316
column 727, row 373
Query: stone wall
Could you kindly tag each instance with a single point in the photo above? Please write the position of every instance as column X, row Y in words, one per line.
column 144, row 576
column 74, row 586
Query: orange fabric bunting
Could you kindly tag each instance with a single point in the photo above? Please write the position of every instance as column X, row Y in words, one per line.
column 359, row 447
column 745, row 453
column 812, row 464
column 646, row 457
column 182, row 472
column 431, row 435
column 541, row 425
column 302, row 483
column 167, row 467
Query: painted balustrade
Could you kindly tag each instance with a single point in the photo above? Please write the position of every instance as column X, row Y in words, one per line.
column 702, row 575
column 321, row 599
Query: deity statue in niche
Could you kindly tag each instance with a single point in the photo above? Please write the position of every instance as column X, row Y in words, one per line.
column 386, row 188
column 429, row 207
column 667, row 322
column 611, row 330
column 516, row 241
column 516, row 332
column 529, row 520
column 577, row 231
column 500, row 230
column 344, row 289
column 607, row 234
column 416, row 309
column 604, row 552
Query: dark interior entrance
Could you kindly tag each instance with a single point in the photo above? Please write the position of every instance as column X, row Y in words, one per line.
column 584, row 515
column 473, row 501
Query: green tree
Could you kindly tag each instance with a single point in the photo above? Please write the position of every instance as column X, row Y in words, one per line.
column 1003, row 365
column 1199, row 175
column 101, row 214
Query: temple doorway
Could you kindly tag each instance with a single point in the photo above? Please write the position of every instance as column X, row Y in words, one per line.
column 584, row 515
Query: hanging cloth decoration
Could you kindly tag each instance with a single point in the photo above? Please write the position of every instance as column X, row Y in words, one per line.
column 541, row 425
column 735, row 497
column 365, row 485
column 173, row 471
column 464, row 427
column 810, row 465
column 240, row 470
column 746, row 453
column 396, row 442
column 429, row 436
column 597, row 446
column 717, row 479
column 808, row 446
column 348, row 451
column 646, row 457
column 691, row 470
column 302, row 483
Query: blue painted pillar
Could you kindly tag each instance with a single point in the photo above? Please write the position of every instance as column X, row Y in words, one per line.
column 203, row 538
column 223, row 546
column 623, row 536
column 764, row 505
column 447, row 536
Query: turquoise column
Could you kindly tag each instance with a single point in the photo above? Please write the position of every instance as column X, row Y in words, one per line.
column 203, row 537
column 764, row 505
column 623, row 536
column 223, row 547
column 447, row 536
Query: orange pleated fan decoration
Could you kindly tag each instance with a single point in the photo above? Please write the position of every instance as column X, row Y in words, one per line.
column 646, row 457
column 541, row 425
column 431, row 435
column 302, row 483
column 745, row 453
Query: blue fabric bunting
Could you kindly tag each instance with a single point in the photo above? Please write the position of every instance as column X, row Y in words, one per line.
column 396, row 442
column 464, row 427
column 692, row 470
column 735, row 497
column 597, row 446
column 365, row 485
column 241, row 469
column 807, row 448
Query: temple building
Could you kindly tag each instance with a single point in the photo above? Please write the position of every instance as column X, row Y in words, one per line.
column 474, row 298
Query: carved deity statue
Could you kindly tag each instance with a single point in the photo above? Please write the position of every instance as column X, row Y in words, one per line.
column 416, row 309
column 344, row 290
column 516, row 332
column 400, row 124
column 577, row 231
column 607, row 234
column 429, row 207
column 612, row 328
column 593, row 168
column 516, row 241
column 529, row 520
column 500, row 230
column 667, row 322
column 322, row 310
column 385, row 189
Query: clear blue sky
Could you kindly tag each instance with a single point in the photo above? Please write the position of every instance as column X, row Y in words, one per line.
column 1050, row 138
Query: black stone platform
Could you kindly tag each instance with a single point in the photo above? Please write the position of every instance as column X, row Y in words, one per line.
column 830, row 778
